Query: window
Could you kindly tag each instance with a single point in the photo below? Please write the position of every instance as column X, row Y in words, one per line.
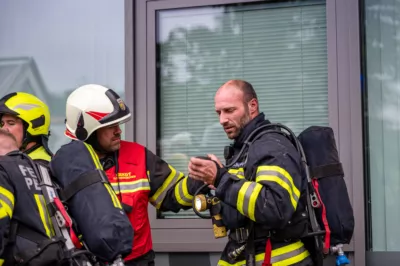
column 49, row 49
column 382, row 100
column 280, row 48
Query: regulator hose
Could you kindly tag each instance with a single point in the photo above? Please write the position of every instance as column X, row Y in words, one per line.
column 257, row 133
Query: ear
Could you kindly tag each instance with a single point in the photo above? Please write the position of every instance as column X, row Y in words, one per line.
column 253, row 105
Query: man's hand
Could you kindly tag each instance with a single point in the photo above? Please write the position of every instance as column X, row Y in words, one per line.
column 204, row 170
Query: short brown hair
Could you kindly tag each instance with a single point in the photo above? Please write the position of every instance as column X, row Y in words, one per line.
column 248, row 91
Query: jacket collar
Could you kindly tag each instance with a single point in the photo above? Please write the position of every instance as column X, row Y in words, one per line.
column 258, row 121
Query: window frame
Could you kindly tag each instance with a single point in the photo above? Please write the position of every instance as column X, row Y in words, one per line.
column 344, row 107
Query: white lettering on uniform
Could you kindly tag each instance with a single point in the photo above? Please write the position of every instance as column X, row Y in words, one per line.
column 30, row 177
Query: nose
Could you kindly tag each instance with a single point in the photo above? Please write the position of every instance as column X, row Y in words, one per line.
column 117, row 130
column 5, row 127
column 223, row 119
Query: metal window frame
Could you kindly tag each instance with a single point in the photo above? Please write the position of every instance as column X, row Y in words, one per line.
column 344, row 100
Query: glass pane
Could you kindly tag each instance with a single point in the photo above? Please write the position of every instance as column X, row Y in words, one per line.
column 280, row 48
column 50, row 48
column 382, row 99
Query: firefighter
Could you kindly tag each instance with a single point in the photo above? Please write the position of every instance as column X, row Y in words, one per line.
column 28, row 119
column 93, row 115
column 262, row 193
column 26, row 231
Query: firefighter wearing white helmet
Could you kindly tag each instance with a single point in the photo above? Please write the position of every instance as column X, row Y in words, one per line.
column 92, row 107
column 28, row 119
column 137, row 175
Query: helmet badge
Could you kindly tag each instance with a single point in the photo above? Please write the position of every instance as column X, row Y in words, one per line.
column 121, row 104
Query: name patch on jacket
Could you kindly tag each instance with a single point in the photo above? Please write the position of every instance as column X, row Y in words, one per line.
column 126, row 175
column 30, row 177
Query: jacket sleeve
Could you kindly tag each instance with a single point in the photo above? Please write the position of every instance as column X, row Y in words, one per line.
column 272, row 196
column 6, row 207
column 170, row 190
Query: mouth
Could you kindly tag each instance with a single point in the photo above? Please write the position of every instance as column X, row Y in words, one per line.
column 228, row 129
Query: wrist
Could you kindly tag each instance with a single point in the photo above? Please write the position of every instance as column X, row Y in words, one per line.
column 220, row 172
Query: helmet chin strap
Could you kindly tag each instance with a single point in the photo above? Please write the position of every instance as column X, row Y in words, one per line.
column 27, row 138
column 93, row 140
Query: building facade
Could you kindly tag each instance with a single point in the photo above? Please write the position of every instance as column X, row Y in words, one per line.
column 312, row 62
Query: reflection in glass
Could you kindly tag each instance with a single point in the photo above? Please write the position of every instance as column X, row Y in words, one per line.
column 50, row 48
column 382, row 99
column 278, row 47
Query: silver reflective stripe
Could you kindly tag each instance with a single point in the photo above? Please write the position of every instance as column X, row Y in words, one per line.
column 130, row 187
column 288, row 255
column 161, row 197
column 181, row 194
column 275, row 173
column 247, row 195
column 7, row 201
column 25, row 106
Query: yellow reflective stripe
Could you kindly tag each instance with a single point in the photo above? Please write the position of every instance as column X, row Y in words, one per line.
column 182, row 194
column 94, row 156
column 171, row 180
column 281, row 177
column 114, row 198
column 1, row 262
column 238, row 172
column 253, row 201
column 247, row 198
column 241, row 196
column 3, row 213
column 6, row 202
column 287, row 255
column 293, row 260
column 130, row 187
column 43, row 214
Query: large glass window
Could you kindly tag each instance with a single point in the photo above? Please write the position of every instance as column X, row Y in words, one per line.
column 49, row 48
column 279, row 47
column 382, row 102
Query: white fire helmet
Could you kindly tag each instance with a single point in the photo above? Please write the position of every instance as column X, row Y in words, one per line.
column 91, row 107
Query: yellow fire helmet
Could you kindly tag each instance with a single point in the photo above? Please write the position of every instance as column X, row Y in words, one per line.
column 31, row 110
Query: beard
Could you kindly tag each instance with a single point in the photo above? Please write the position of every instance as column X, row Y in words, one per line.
column 244, row 120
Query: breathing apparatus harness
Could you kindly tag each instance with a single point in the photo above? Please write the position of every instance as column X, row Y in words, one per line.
column 211, row 201
column 75, row 252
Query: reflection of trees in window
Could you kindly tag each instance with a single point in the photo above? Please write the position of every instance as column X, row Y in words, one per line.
column 281, row 51
column 22, row 74
column 382, row 100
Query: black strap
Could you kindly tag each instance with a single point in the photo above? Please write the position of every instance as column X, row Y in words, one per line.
column 322, row 171
column 30, row 234
column 83, row 181
column 126, row 207
column 8, row 254
column 21, row 230
column 250, row 246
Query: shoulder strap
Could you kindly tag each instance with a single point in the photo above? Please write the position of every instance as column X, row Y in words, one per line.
column 83, row 181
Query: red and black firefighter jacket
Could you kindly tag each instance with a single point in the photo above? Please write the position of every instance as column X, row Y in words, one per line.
column 265, row 185
column 140, row 177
